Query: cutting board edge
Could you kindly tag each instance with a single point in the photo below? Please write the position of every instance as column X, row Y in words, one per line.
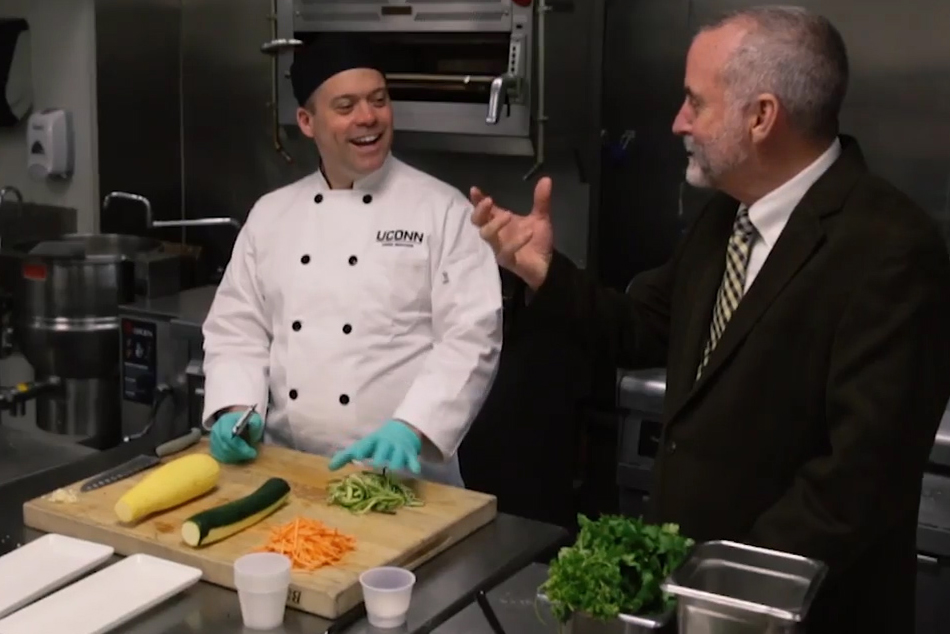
column 38, row 515
column 351, row 596
column 480, row 517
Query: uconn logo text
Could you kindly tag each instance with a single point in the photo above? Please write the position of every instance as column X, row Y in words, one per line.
column 399, row 237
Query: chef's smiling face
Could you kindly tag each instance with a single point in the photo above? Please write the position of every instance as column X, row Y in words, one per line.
column 350, row 118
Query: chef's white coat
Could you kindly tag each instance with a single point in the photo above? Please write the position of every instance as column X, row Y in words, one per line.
column 341, row 309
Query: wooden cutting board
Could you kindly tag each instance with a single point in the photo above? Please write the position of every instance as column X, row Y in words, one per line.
column 408, row 538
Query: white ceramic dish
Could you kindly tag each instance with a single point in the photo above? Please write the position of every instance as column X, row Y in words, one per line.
column 43, row 565
column 106, row 599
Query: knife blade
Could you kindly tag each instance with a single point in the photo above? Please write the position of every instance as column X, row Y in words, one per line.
column 142, row 462
column 121, row 472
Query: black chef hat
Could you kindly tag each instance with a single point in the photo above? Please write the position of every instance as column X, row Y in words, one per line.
column 327, row 55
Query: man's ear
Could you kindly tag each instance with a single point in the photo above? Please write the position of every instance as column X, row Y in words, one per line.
column 305, row 121
column 764, row 113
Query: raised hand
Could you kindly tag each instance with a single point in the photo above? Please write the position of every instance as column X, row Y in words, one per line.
column 522, row 244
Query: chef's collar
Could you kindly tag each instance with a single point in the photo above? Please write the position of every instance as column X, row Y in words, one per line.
column 370, row 183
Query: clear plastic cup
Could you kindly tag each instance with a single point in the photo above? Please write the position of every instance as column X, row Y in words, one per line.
column 386, row 594
column 262, row 581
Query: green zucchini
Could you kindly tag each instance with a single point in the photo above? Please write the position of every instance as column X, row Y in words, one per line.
column 223, row 521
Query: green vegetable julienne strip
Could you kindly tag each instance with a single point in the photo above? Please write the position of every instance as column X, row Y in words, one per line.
column 369, row 491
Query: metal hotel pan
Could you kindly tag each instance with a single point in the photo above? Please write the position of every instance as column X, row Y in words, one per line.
column 730, row 588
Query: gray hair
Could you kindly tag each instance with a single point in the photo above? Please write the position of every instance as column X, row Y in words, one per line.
column 796, row 55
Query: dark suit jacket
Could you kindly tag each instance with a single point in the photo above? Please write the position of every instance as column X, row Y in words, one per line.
column 811, row 426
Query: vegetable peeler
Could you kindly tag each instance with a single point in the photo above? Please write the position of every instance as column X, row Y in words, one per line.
column 241, row 425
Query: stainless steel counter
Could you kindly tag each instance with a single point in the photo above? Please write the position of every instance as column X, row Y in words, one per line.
column 515, row 605
column 23, row 453
column 444, row 587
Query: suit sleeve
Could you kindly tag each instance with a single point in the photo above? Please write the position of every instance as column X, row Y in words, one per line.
column 887, row 389
column 445, row 398
column 236, row 335
column 631, row 329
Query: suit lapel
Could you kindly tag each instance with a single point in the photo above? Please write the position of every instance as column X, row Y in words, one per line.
column 799, row 240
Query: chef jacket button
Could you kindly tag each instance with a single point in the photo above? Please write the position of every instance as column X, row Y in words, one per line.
column 318, row 198
column 367, row 199
column 295, row 326
column 293, row 395
column 671, row 447
column 347, row 329
column 344, row 399
column 305, row 259
column 353, row 260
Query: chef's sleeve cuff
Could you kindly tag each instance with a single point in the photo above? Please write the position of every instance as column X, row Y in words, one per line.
column 231, row 385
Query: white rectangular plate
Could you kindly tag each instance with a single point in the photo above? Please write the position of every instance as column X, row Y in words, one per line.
column 43, row 565
column 106, row 599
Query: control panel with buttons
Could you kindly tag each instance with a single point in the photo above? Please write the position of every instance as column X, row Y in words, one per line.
column 139, row 361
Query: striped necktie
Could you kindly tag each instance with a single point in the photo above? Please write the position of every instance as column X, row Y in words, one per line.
column 733, row 281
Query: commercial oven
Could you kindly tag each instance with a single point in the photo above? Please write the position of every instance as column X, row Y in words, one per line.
column 640, row 400
column 162, row 355
column 454, row 67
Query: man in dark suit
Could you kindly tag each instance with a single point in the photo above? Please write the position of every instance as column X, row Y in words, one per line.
column 804, row 321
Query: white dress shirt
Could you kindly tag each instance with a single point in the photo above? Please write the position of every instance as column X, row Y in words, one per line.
column 770, row 213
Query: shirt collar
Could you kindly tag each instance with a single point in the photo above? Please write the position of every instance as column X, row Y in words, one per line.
column 770, row 213
column 371, row 183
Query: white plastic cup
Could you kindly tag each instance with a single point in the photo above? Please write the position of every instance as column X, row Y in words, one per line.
column 262, row 581
column 387, row 592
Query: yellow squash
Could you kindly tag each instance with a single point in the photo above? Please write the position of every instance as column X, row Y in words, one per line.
column 173, row 483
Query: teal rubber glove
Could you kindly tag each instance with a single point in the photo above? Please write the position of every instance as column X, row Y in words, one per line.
column 226, row 449
column 393, row 446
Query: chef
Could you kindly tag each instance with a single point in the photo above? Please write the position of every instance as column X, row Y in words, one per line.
column 360, row 313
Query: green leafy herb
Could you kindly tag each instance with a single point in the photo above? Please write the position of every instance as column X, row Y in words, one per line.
column 369, row 491
column 616, row 566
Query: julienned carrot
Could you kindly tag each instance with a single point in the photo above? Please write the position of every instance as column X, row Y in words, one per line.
column 309, row 543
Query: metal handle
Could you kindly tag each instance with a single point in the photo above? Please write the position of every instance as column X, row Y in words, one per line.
column 440, row 79
column 151, row 223
column 497, row 95
column 927, row 560
column 541, row 116
column 199, row 222
column 142, row 200
column 10, row 189
column 273, row 48
column 178, row 444
column 280, row 45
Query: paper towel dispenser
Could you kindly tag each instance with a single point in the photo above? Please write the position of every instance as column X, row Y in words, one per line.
column 16, row 74
column 49, row 144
